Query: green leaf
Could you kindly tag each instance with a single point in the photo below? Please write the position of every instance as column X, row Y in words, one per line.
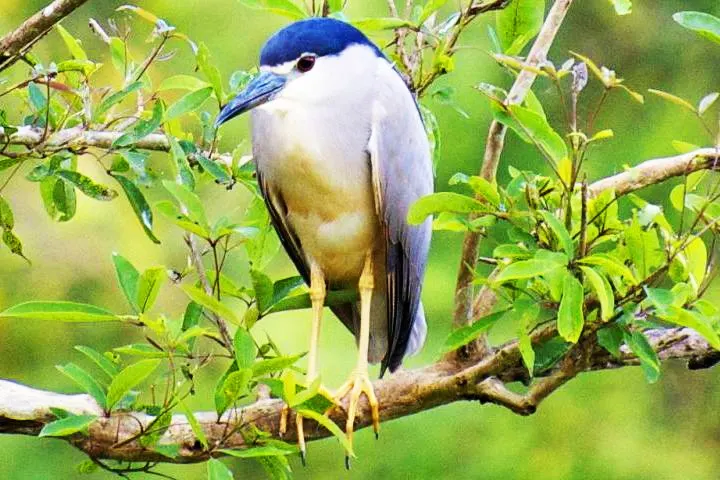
column 188, row 103
column 302, row 301
column 518, row 23
column 527, row 311
column 211, row 72
column 245, row 351
column 560, row 232
column 6, row 163
column 464, row 335
column 87, row 186
column 525, row 269
column 116, row 98
column 127, row 276
column 13, row 243
column 139, row 205
column 644, row 248
column 182, row 82
column 214, row 168
column 105, row 364
column 72, row 44
column 694, row 320
column 548, row 353
column 129, row 378
column 611, row 265
column 189, row 200
column 431, row 6
column 602, row 290
column 442, row 202
column 704, row 24
column 67, row 426
column 673, row 99
column 216, row 470
column 649, row 361
column 611, row 338
column 331, row 427
column 7, row 220
column 622, row 7
column 272, row 365
column 172, row 213
column 705, row 103
column 262, row 451
column 538, row 129
column 85, row 381
column 375, row 24
column 148, row 287
column 194, row 425
column 143, row 350
column 60, row 312
column 263, row 289
column 211, row 303
column 235, row 385
column 570, row 314
column 287, row 8
column 59, row 199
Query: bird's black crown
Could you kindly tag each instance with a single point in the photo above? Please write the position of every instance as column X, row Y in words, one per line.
column 321, row 36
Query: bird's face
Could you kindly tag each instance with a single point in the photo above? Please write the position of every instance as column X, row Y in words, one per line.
column 310, row 63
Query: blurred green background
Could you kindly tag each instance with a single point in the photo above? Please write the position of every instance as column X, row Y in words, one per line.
column 602, row 425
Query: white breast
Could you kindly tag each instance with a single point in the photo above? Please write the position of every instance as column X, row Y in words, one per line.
column 313, row 157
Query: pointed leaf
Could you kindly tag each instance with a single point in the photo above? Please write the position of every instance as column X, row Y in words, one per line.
column 704, row 24
column 127, row 276
column 129, row 378
column 60, row 312
column 139, row 205
column 85, row 381
column 67, row 426
column 211, row 303
column 570, row 314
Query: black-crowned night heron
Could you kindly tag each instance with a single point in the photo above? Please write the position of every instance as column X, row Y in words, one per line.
column 341, row 154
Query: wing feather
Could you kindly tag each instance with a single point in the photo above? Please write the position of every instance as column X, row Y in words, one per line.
column 402, row 173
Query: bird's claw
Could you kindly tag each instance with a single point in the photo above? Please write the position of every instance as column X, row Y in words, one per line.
column 360, row 383
column 299, row 422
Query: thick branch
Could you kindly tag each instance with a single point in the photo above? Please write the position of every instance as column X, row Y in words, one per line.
column 24, row 410
column 657, row 170
column 18, row 42
column 464, row 291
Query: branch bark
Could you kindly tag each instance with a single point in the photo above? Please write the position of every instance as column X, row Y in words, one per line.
column 658, row 170
column 19, row 42
column 78, row 138
column 24, row 410
column 464, row 290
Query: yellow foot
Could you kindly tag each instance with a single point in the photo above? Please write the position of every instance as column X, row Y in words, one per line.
column 360, row 383
column 299, row 422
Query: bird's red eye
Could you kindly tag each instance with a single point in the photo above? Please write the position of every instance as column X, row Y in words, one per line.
column 306, row 63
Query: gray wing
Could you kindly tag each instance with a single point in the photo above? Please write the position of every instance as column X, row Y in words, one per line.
column 402, row 173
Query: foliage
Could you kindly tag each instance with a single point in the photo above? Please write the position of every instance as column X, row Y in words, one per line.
column 603, row 268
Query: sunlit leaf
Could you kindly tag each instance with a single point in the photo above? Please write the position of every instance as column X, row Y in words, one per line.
column 622, row 7
column 87, row 186
column 86, row 381
column 188, row 103
column 67, row 426
column 602, row 290
column 216, row 470
column 442, row 202
column 673, row 99
column 570, row 314
column 464, row 335
column 649, row 360
column 211, row 303
column 148, row 287
column 128, row 378
column 139, row 204
column 525, row 269
column 518, row 23
column 560, row 233
column 59, row 311
column 704, row 24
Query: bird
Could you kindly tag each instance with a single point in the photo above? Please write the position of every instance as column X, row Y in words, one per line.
column 341, row 153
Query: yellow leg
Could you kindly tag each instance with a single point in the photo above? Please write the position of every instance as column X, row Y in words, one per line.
column 317, row 297
column 360, row 382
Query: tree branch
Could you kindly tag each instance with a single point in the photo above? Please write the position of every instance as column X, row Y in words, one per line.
column 19, row 42
column 78, row 138
column 656, row 171
column 24, row 410
column 464, row 291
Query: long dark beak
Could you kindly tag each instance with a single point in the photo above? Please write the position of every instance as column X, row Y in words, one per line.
column 260, row 90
